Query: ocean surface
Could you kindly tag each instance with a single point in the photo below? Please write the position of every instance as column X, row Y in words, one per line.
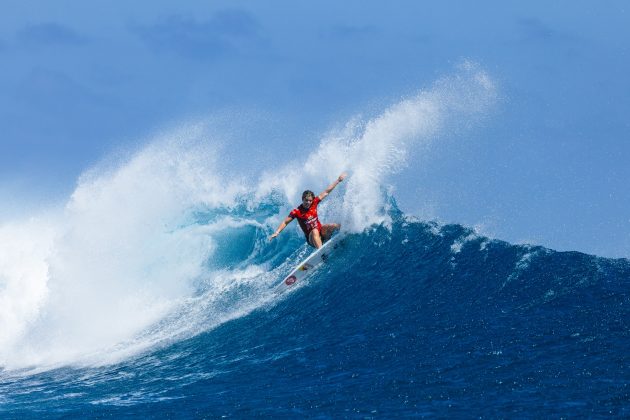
column 149, row 292
column 415, row 320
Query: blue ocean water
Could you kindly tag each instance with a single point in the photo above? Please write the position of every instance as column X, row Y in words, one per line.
column 149, row 292
column 414, row 319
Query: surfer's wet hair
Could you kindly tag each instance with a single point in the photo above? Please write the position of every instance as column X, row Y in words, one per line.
column 308, row 193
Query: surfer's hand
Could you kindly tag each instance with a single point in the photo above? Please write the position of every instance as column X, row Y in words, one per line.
column 273, row 236
column 342, row 177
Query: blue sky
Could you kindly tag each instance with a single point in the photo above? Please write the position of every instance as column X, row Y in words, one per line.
column 80, row 80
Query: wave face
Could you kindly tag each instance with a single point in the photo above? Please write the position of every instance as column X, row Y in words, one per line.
column 418, row 319
column 150, row 291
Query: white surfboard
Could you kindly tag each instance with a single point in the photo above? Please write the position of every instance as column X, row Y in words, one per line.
column 310, row 264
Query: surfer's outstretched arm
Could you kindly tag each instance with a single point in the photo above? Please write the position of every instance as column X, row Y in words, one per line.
column 284, row 224
column 332, row 186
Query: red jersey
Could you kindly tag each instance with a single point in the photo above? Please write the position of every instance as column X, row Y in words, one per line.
column 307, row 218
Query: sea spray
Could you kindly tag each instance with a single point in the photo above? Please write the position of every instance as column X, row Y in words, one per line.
column 372, row 150
column 122, row 255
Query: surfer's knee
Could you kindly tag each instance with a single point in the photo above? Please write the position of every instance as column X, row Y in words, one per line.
column 333, row 227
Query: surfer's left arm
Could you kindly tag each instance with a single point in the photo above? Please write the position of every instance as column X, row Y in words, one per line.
column 332, row 186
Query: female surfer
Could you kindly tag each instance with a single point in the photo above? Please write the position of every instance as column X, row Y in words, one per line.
column 306, row 214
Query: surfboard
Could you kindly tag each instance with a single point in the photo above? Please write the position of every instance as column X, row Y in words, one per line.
column 310, row 263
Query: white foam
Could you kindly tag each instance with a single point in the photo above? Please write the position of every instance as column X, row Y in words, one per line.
column 23, row 277
column 117, row 260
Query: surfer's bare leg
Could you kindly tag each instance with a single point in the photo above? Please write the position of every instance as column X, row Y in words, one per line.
column 315, row 238
column 328, row 230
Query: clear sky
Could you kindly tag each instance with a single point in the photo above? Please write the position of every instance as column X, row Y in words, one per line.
column 82, row 80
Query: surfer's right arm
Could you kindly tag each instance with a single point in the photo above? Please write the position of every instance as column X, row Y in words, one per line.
column 284, row 224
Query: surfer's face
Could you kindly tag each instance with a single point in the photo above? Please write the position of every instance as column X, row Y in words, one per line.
column 307, row 201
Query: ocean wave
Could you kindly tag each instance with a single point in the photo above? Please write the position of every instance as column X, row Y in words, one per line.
column 153, row 233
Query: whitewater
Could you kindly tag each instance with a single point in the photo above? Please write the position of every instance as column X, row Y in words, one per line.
column 150, row 290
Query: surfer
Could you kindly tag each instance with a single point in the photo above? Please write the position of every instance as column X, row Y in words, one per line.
column 316, row 233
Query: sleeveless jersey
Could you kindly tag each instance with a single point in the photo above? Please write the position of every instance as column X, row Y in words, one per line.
column 307, row 218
